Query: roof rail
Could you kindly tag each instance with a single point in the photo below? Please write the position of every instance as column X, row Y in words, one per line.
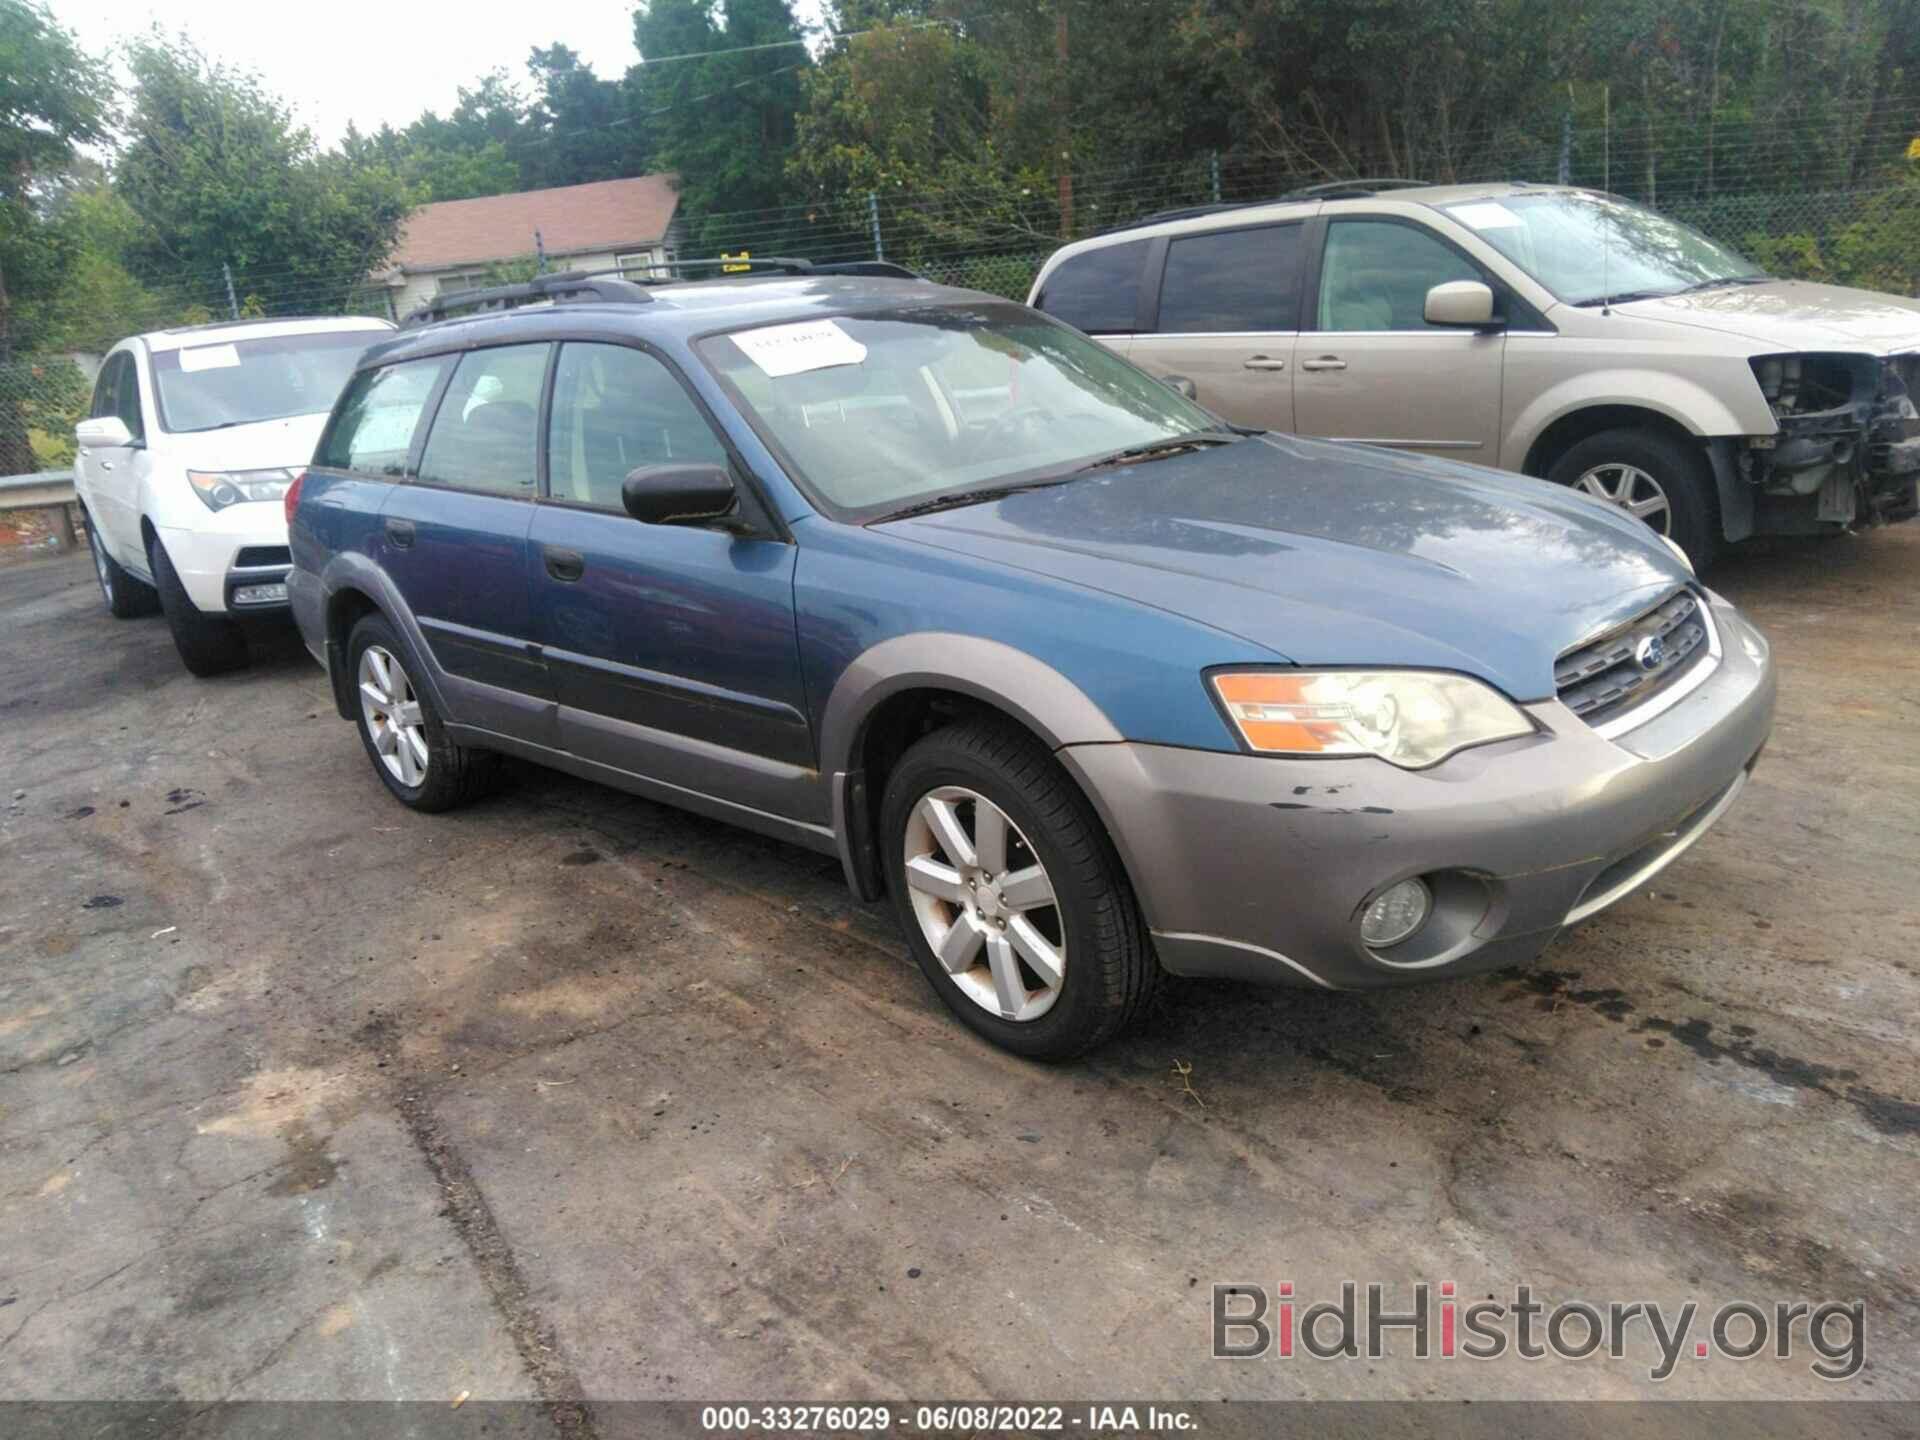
column 565, row 285
column 1331, row 190
column 648, row 271
column 1342, row 189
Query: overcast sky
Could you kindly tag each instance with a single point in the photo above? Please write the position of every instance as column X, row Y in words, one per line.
column 373, row 61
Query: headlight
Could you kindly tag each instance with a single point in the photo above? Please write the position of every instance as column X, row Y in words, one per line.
column 221, row 488
column 1414, row 718
column 1674, row 545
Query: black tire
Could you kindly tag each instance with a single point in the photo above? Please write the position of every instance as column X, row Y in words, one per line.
column 1680, row 471
column 1110, row 972
column 128, row 597
column 454, row 774
column 208, row 644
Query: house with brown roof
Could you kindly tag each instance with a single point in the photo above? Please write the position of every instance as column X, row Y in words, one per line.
column 452, row 245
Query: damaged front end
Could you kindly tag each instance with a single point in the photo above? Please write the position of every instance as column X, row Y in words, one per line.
column 1847, row 451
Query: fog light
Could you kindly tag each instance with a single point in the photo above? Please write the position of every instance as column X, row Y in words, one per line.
column 259, row 594
column 1396, row 913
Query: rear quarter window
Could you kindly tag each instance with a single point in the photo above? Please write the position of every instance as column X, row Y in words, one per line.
column 1097, row 291
column 372, row 431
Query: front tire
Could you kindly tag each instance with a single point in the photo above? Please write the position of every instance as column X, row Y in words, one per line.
column 1666, row 485
column 208, row 644
column 404, row 736
column 1013, row 901
column 127, row 596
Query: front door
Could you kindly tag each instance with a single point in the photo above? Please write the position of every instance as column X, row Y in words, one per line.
column 454, row 540
column 1368, row 367
column 672, row 648
column 1229, row 308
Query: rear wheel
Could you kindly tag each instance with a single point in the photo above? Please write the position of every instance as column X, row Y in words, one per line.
column 208, row 644
column 1013, row 901
column 404, row 736
column 127, row 597
column 1661, row 482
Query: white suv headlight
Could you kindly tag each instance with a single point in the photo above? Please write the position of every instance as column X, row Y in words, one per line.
column 221, row 488
column 1413, row 718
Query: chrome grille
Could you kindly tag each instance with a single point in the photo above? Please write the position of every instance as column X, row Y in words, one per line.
column 1608, row 677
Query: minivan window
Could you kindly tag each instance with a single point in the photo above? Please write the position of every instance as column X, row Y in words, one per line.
column 483, row 435
column 244, row 382
column 1232, row 280
column 373, row 431
column 614, row 409
column 1376, row 275
column 1097, row 291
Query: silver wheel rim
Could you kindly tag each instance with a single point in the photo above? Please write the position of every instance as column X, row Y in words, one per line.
column 985, row 904
column 100, row 565
column 1633, row 490
column 392, row 714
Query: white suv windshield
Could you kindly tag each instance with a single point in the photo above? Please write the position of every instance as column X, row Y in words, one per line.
column 876, row 412
column 1586, row 248
column 240, row 382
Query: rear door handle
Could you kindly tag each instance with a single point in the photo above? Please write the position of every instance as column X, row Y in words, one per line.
column 1263, row 362
column 1325, row 362
column 400, row 532
column 568, row 565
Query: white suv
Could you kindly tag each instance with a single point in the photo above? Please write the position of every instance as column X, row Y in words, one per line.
column 191, row 441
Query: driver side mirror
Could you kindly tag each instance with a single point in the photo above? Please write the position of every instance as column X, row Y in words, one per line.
column 103, row 432
column 1181, row 385
column 679, row 494
column 1466, row 303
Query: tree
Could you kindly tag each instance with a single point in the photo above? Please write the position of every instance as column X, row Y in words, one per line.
column 217, row 171
column 579, row 128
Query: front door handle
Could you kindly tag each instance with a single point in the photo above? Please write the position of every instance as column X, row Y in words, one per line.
column 1263, row 362
column 567, row 565
column 400, row 532
column 106, row 464
column 1325, row 362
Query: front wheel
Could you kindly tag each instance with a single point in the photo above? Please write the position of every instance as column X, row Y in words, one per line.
column 1013, row 901
column 1664, row 484
column 208, row 644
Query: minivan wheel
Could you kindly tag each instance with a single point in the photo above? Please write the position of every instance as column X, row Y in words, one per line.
column 208, row 644
column 403, row 734
column 1013, row 901
column 127, row 597
column 1659, row 481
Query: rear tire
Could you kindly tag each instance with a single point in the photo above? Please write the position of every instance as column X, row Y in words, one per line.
column 208, row 644
column 1048, row 888
column 403, row 734
column 127, row 596
column 1655, row 478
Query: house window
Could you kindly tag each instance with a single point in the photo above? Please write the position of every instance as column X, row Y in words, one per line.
column 454, row 283
column 639, row 264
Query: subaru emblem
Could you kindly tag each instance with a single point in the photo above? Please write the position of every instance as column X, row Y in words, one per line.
column 1649, row 653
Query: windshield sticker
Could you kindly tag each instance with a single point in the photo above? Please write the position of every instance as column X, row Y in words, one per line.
column 794, row 349
column 209, row 357
column 1486, row 215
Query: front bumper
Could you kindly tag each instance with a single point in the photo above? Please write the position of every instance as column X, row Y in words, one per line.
column 1257, row 868
column 243, row 547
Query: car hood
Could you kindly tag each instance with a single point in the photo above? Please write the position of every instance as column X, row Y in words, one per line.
column 267, row 445
column 1337, row 555
column 1794, row 315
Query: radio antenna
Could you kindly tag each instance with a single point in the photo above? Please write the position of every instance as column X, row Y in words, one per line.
column 1606, row 187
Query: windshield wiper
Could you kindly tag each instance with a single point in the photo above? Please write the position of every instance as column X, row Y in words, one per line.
column 954, row 500
column 1628, row 296
column 1724, row 280
column 1167, row 445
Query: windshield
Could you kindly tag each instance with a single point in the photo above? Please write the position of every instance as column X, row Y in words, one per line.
column 873, row 413
column 1587, row 247
column 239, row 382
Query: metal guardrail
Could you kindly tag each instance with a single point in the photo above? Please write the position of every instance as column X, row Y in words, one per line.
column 44, row 490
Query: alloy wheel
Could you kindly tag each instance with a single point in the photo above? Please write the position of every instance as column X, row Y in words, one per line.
column 393, row 715
column 985, row 904
column 1633, row 490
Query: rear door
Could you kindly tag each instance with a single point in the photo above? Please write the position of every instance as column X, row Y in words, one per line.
column 1369, row 368
column 672, row 647
column 453, row 538
column 1227, row 319
column 113, row 473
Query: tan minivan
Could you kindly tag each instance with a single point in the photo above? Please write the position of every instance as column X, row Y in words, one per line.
column 1563, row 333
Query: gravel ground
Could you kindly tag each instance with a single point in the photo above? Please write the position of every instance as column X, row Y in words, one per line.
column 569, row 1095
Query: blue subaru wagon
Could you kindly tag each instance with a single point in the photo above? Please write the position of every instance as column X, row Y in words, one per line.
column 1089, row 685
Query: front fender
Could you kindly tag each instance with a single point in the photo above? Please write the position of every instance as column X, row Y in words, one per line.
column 1692, row 406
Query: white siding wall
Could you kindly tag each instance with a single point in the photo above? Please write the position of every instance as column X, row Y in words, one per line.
column 418, row 289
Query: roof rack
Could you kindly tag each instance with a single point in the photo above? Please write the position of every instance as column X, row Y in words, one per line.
column 1331, row 190
column 1341, row 189
column 731, row 265
column 565, row 285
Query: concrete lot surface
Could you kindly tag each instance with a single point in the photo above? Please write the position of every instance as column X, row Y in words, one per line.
column 569, row 1096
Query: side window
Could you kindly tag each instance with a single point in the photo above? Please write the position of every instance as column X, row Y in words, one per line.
column 126, row 396
column 1376, row 275
column 483, row 434
column 615, row 409
column 372, row 431
column 105, row 385
column 1099, row 291
column 1234, row 280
